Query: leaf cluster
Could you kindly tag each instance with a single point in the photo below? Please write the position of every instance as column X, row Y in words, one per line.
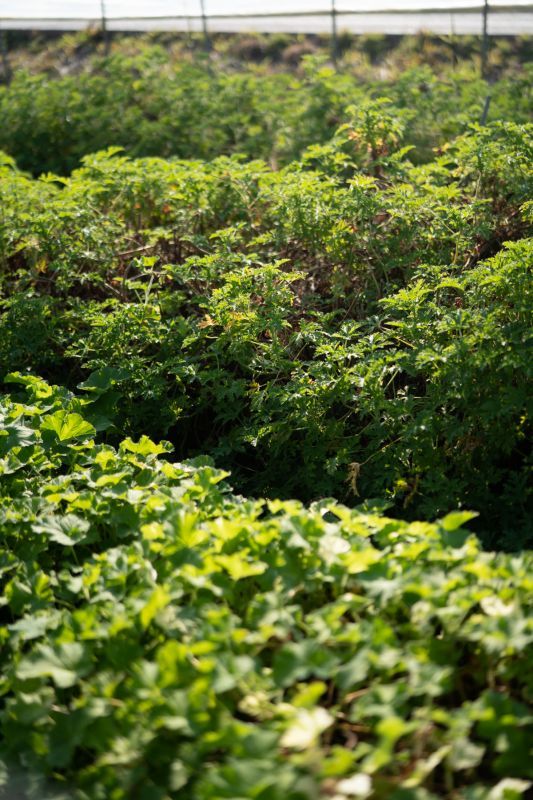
column 353, row 308
column 164, row 638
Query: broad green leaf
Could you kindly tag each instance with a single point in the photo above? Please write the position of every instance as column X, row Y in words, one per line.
column 238, row 567
column 158, row 600
column 456, row 519
column 65, row 664
column 67, row 426
column 35, row 626
column 145, row 447
column 67, row 530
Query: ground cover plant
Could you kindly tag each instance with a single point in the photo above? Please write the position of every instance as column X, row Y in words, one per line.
column 169, row 639
column 262, row 282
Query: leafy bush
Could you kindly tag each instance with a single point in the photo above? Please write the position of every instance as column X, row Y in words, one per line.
column 156, row 103
column 163, row 637
column 335, row 318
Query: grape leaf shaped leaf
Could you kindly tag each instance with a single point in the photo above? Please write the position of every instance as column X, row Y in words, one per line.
column 67, row 530
column 67, row 425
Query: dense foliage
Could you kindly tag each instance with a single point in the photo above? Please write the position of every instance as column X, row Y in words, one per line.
column 153, row 100
column 169, row 639
column 331, row 320
column 323, row 283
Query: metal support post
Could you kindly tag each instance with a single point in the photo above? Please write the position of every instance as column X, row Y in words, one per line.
column 207, row 40
column 485, row 41
column 334, row 43
column 105, row 33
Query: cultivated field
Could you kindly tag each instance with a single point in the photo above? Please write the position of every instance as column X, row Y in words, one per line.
column 265, row 344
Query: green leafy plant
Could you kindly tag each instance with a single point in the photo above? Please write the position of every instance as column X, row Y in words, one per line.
column 330, row 296
column 296, row 323
column 165, row 638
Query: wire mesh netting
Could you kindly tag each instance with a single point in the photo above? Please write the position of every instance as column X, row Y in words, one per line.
column 306, row 16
